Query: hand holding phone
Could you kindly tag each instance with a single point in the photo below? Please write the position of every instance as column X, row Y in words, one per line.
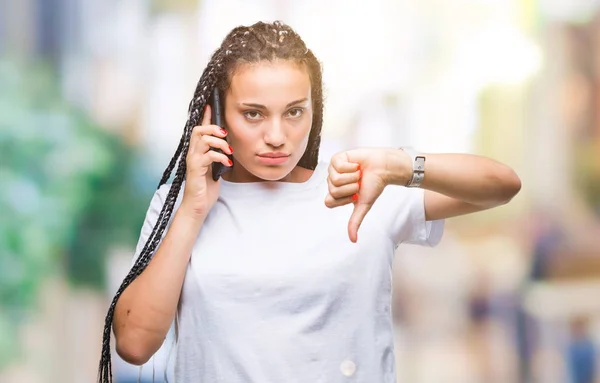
column 200, row 194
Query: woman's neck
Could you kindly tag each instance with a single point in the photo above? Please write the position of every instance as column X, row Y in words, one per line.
column 239, row 174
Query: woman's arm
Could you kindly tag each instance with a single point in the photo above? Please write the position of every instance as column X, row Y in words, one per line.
column 457, row 184
column 146, row 309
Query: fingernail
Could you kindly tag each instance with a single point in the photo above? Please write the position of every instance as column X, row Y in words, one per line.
column 359, row 183
column 355, row 197
column 230, row 150
column 358, row 167
column 223, row 132
column 230, row 163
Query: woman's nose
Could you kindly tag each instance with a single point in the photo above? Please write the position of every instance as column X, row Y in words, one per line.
column 274, row 134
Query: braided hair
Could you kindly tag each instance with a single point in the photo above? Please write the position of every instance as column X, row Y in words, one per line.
column 244, row 44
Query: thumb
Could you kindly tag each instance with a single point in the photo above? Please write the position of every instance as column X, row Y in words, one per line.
column 360, row 211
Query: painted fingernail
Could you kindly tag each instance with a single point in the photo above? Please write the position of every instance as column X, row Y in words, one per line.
column 359, row 183
column 223, row 132
column 355, row 197
column 230, row 163
column 230, row 150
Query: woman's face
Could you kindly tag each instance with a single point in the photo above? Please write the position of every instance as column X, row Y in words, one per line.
column 268, row 113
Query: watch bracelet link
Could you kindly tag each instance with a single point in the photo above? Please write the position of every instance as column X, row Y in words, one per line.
column 418, row 162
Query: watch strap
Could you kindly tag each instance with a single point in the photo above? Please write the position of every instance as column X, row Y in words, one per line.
column 418, row 163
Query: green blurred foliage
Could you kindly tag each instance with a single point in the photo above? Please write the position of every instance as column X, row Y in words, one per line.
column 68, row 194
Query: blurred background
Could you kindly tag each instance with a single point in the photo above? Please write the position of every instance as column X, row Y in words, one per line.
column 94, row 96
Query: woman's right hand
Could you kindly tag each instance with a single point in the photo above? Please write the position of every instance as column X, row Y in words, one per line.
column 201, row 192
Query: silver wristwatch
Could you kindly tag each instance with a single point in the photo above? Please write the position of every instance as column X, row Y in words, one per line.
column 418, row 162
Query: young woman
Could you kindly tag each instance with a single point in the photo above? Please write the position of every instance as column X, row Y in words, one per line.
column 280, row 271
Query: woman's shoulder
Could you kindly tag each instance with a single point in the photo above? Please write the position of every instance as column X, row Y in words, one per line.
column 161, row 194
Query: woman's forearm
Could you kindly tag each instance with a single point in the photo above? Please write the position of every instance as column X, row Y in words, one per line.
column 469, row 178
column 147, row 307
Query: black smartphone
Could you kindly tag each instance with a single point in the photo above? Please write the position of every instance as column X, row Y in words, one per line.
column 217, row 118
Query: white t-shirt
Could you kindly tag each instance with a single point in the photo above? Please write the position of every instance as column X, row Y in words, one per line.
column 276, row 292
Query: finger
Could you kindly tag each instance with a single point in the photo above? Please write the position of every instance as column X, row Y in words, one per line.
column 200, row 145
column 210, row 130
column 358, row 215
column 211, row 157
column 331, row 202
column 200, row 164
column 207, row 115
column 338, row 192
column 197, row 143
column 341, row 164
column 211, row 142
column 205, row 159
column 341, row 179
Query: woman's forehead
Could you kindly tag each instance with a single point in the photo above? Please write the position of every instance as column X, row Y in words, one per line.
column 270, row 82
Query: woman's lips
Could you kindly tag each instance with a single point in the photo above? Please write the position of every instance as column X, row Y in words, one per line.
column 273, row 158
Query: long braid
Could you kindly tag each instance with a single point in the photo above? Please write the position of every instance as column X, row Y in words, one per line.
column 311, row 156
column 203, row 89
column 167, row 173
column 260, row 41
column 105, row 371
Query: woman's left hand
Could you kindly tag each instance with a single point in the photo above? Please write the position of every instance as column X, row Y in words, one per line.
column 357, row 176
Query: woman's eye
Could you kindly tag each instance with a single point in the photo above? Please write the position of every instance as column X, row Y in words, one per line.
column 252, row 115
column 296, row 112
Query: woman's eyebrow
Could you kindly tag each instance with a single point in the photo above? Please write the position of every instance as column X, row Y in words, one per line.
column 259, row 106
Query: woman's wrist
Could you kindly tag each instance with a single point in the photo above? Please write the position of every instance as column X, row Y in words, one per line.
column 399, row 167
column 190, row 215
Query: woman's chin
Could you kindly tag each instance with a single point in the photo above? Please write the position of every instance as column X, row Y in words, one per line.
column 272, row 173
column 260, row 172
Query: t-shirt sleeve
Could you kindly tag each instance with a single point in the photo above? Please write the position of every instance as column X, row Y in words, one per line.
column 156, row 205
column 403, row 210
